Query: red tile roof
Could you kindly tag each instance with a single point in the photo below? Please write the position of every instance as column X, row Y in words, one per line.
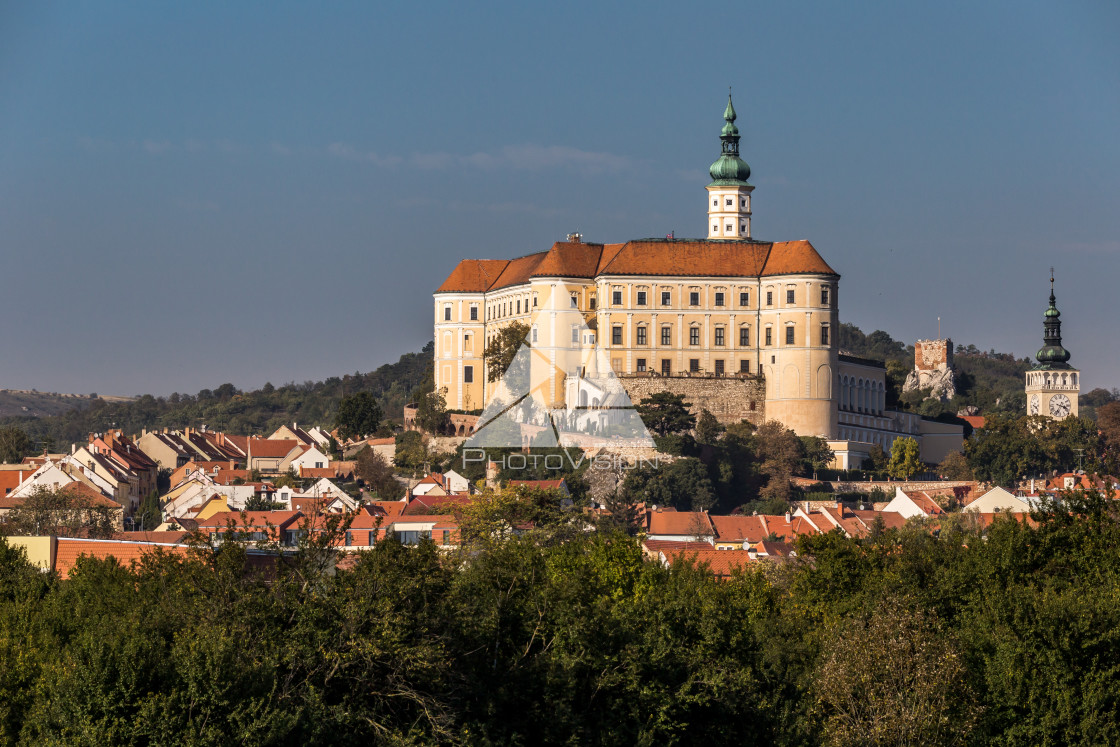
column 10, row 479
column 976, row 421
column 267, row 448
column 720, row 562
column 680, row 523
column 676, row 258
column 69, row 550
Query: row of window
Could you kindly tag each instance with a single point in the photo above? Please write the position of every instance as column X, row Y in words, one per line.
column 720, row 298
column 510, row 308
column 719, row 335
column 693, row 366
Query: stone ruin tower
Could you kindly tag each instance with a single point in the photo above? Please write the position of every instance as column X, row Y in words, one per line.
column 933, row 369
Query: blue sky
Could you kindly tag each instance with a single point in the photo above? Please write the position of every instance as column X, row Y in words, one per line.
column 204, row 192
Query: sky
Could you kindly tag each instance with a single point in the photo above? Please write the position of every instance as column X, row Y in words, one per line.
column 209, row 192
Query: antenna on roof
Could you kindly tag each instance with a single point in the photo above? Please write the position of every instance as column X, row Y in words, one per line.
column 575, row 238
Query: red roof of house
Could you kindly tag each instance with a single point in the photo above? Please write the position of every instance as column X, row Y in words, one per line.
column 267, row 448
column 278, row 519
column 423, row 504
column 976, row 421
column 680, row 523
column 720, row 562
column 69, row 550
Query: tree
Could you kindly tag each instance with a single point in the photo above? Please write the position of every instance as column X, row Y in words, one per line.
column 955, row 467
column 358, row 415
column 904, row 458
column 683, row 484
column 149, row 516
column 818, row 455
column 665, row 413
column 877, row 460
column 780, row 451
column 1108, row 420
column 411, row 453
column 894, row 677
column 14, row 445
column 708, row 429
column 502, row 349
column 64, row 511
column 431, row 411
column 377, row 474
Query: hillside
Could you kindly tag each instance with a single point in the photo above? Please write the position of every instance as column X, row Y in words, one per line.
column 30, row 403
column 227, row 408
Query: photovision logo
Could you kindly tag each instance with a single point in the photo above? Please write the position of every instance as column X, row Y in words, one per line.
column 560, row 391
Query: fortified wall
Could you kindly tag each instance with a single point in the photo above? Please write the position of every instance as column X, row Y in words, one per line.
column 730, row 398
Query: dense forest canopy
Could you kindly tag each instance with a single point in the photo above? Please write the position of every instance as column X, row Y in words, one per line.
column 554, row 637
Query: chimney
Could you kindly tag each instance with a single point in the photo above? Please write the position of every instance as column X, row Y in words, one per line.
column 788, row 517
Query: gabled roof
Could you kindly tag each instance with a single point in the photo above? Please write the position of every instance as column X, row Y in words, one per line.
column 267, row 448
column 241, row 519
column 473, row 276
column 680, row 523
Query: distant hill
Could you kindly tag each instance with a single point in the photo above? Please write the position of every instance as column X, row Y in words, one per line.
column 225, row 408
column 991, row 381
column 31, row 403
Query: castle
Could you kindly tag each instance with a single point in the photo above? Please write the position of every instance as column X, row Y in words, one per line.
column 744, row 328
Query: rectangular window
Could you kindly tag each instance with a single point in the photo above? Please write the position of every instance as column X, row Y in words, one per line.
column 769, row 298
column 447, row 313
column 719, row 299
column 744, row 337
column 474, row 313
column 616, row 298
column 616, row 335
column 591, row 303
column 719, row 336
column 729, row 201
column 694, row 365
column 468, row 374
column 694, row 336
column 666, row 298
column 641, row 335
column 575, row 335
column 349, row 538
column 824, row 295
column 744, row 367
column 519, row 306
column 446, row 536
column 790, row 332
column 789, row 296
column 693, row 299
column 666, row 335
column 575, row 302
column 641, row 365
column 534, row 338
column 824, row 334
column 719, row 366
column 466, row 342
column 769, row 336
column 641, row 298
column 744, row 299
column 534, row 301
column 666, row 367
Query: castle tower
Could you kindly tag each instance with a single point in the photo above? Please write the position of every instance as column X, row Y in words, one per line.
column 729, row 194
column 1052, row 384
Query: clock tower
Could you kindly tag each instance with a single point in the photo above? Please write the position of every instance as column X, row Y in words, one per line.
column 1052, row 384
column 729, row 194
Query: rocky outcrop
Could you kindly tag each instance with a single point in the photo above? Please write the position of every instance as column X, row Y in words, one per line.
column 938, row 380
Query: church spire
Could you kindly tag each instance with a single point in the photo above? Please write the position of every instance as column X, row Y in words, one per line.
column 730, row 169
column 1052, row 354
column 729, row 211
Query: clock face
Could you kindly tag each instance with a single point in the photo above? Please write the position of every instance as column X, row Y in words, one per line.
column 1034, row 404
column 1059, row 405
